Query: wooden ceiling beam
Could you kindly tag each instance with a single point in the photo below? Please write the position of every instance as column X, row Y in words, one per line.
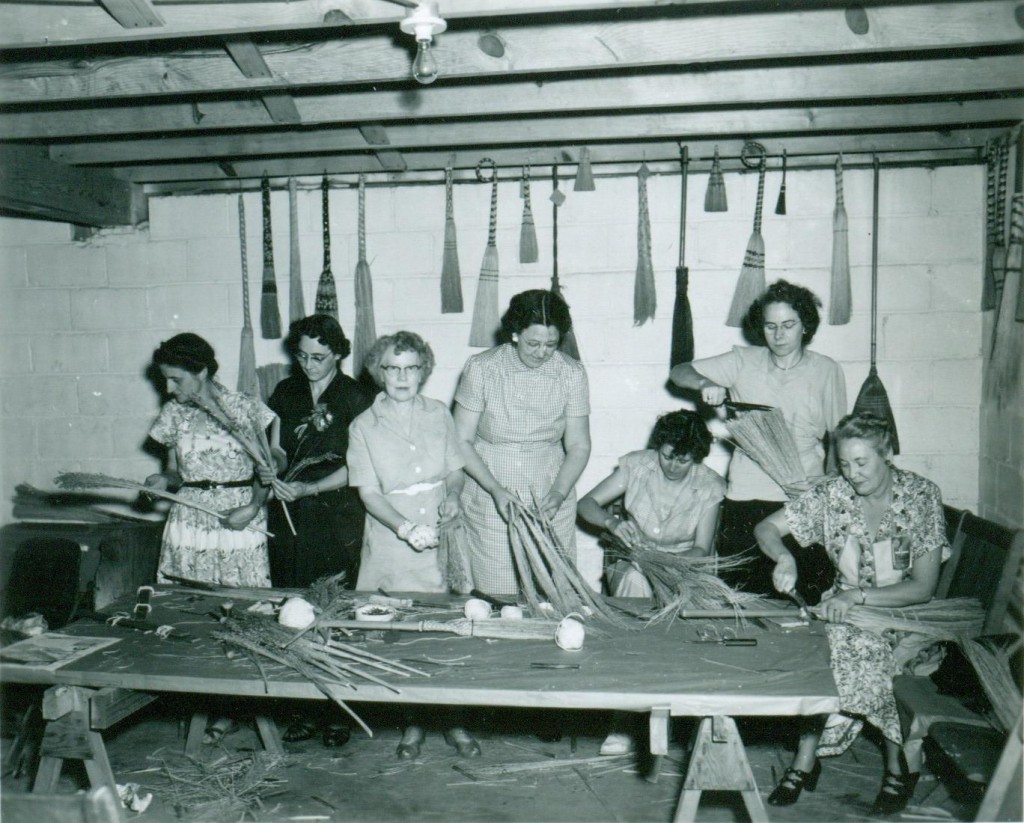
column 133, row 14
column 76, row 22
column 529, row 50
column 947, row 78
column 246, row 56
column 603, row 128
column 34, row 185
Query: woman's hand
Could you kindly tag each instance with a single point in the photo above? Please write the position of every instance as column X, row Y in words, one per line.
column 713, row 394
column 835, row 608
column 418, row 536
column 551, row 503
column 784, row 574
column 292, row 491
column 238, row 519
column 266, row 474
column 627, row 532
column 450, row 508
column 503, row 501
column 157, row 481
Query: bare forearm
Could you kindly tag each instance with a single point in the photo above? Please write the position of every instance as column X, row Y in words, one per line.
column 572, row 467
column 687, row 377
column 477, row 469
column 595, row 514
column 769, row 541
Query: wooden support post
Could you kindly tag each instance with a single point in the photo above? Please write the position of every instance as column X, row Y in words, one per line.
column 659, row 725
column 266, row 728
column 718, row 762
column 68, row 736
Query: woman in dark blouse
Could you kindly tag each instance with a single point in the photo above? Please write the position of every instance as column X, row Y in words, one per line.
column 315, row 406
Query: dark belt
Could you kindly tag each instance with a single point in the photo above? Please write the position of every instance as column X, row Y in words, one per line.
column 207, row 485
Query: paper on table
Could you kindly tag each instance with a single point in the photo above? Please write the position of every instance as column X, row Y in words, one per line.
column 52, row 650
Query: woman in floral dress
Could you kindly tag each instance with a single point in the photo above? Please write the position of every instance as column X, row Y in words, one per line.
column 315, row 405
column 206, row 463
column 883, row 530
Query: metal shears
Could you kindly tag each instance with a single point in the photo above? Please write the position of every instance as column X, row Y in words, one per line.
column 722, row 636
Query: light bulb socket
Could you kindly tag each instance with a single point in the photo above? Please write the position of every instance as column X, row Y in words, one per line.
column 423, row 22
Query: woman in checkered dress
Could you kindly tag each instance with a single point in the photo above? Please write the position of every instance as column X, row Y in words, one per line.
column 522, row 416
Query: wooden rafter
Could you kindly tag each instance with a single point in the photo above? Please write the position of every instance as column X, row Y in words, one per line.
column 245, row 54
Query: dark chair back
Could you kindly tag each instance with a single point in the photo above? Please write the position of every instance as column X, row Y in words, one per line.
column 44, row 579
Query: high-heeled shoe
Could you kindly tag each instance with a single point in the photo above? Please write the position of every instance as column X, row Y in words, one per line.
column 465, row 744
column 793, row 782
column 895, row 793
column 409, row 747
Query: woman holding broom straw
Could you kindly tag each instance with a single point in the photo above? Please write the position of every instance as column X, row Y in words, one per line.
column 809, row 389
column 884, row 531
column 207, row 462
column 522, row 415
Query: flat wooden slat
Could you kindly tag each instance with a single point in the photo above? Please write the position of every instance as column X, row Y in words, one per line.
column 133, row 14
column 109, row 706
column 246, row 55
column 582, row 46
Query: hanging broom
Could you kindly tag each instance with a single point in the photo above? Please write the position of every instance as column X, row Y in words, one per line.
column 988, row 283
column 568, row 344
column 873, row 397
column 751, row 282
column 296, row 305
column 326, row 294
column 365, row 334
column 451, row 277
column 644, row 298
column 999, row 236
column 681, row 350
column 780, row 204
column 485, row 308
column 1004, row 368
column 839, row 302
column 248, row 380
column 584, row 174
column 528, row 232
column 270, row 314
column 715, row 197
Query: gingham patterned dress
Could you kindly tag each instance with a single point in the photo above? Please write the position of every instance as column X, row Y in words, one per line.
column 523, row 416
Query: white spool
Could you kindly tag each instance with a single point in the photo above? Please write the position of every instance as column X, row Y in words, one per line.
column 511, row 613
column 476, row 609
column 569, row 634
column 296, row 613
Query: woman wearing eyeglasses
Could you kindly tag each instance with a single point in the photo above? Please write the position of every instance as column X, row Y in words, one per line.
column 808, row 387
column 315, row 405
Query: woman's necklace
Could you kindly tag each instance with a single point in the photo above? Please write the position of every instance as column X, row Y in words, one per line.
column 786, row 368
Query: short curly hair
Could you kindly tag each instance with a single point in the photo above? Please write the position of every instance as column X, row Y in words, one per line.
column 802, row 300
column 873, row 428
column 320, row 327
column 536, row 307
column 683, row 430
column 400, row 341
column 187, row 351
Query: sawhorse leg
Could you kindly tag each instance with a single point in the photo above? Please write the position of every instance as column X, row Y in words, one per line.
column 69, row 736
column 719, row 762
column 266, row 728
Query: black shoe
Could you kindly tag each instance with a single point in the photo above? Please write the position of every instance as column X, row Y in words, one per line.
column 300, row 727
column 793, row 782
column 409, row 747
column 896, row 791
column 465, row 744
column 336, row 735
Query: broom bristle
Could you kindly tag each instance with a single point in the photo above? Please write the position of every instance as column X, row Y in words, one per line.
column 839, row 303
column 766, row 438
column 715, row 197
column 296, row 305
column 485, row 308
column 248, row 378
column 584, row 174
column 451, row 276
column 528, row 252
column 644, row 297
column 270, row 315
column 874, row 399
column 751, row 283
column 365, row 334
column 327, row 295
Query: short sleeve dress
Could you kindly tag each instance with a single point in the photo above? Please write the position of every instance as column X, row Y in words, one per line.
column 409, row 467
column 523, row 413
column 195, row 544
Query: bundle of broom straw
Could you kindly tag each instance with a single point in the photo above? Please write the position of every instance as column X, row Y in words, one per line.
column 296, row 304
column 545, row 573
column 644, row 298
column 839, row 300
column 751, row 282
column 485, row 308
column 528, row 231
column 326, row 293
column 365, row 333
column 766, row 438
column 715, row 197
column 953, row 618
column 453, row 557
column 270, row 314
column 248, row 378
column 451, row 276
column 992, row 665
column 584, row 173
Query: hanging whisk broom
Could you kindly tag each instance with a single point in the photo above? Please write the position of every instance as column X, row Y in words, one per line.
column 248, row 379
column 326, row 294
column 780, row 204
column 715, row 197
column 270, row 314
column 644, row 298
column 751, row 282
column 584, row 174
column 451, row 277
column 485, row 308
column 528, row 232
column 296, row 305
column 365, row 333
column 839, row 301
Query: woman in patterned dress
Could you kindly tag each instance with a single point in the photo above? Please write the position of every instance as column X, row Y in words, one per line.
column 883, row 530
column 522, row 415
column 671, row 502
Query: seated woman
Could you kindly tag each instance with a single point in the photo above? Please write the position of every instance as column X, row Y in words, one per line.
column 671, row 501
column 884, row 532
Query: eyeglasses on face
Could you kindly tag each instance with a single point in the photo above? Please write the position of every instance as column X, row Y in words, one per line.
column 789, row 325
column 402, row 371
column 306, row 357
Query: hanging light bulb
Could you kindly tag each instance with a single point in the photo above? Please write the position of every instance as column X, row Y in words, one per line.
column 424, row 22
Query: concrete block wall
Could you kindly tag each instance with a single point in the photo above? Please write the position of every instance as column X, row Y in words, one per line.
column 79, row 320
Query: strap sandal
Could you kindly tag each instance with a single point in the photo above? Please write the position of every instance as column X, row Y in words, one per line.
column 465, row 744
column 218, row 730
column 793, row 782
column 300, row 727
column 895, row 793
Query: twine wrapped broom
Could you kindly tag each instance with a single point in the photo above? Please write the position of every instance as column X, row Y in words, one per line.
column 83, row 480
column 485, row 307
column 766, row 438
column 326, row 294
column 751, row 282
column 584, row 174
column 270, row 314
column 988, row 283
column 453, row 557
column 999, row 235
column 528, row 232
column 644, row 298
column 296, row 305
column 1005, row 364
column 681, row 349
column 451, row 276
column 567, row 345
column 248, row 379
column 839, row 301
column 715, row 197
column 780, row 204
column 365, row 333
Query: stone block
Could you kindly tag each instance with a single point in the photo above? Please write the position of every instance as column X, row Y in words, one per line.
column 23, row 232
column 956, row 286
column 130, row 435
column 930, row 336
column 218, row 260
column 109, row 308
column 35, row 310
column 900, row 192
column 937, row 429
column 13, row 267
column 1010, row 492
column 152, row 264
column 71, row 265
column 131, row 351
column 17, row 438
column 957, row 476
column 15, row 354
column 191, row 306
column 69, row 353
column 186, row 217
column 107, row 395
column 38, row 396
column 919, row 239
column 958, row 189
column 76, row 438
column 956, row 382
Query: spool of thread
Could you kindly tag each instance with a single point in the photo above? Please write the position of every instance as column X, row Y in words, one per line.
column 477, row 609
column 569, row 634
column 511, row 613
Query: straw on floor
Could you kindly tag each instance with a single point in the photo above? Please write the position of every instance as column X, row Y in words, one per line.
column 365, row 334
column 840, row 298
column 451, row 276
column 645, row 300
column 326, row 293
column 751, row 282
column 296, row 305
column 270, row 314
column 248, row 380
column 715, row 198
column 485, row 307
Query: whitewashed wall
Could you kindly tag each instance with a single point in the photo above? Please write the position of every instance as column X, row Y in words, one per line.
column 79, row 321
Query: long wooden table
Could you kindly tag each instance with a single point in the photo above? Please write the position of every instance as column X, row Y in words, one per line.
column 659, row 671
